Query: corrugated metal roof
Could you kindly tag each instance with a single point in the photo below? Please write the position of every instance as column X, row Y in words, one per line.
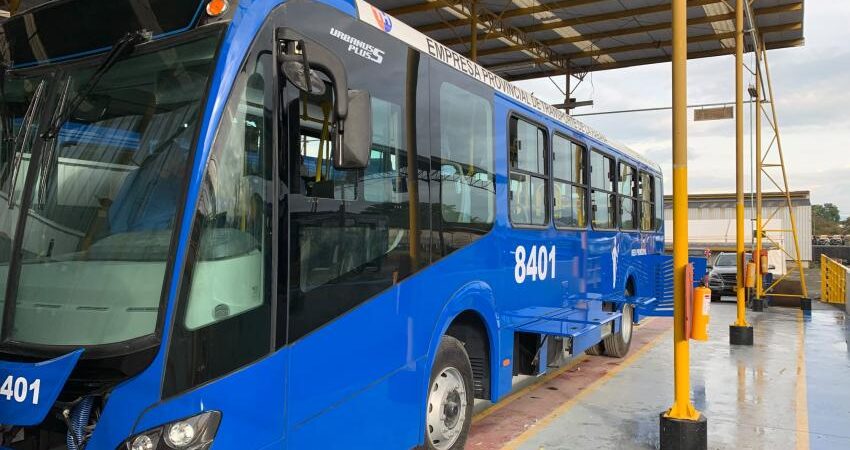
column 769, row 199
column 521, row 39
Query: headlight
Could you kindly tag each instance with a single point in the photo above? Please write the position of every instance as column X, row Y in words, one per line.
column 191, row 433
column 714, row 276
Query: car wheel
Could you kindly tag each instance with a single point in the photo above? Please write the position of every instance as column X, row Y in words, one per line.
column 448, row 409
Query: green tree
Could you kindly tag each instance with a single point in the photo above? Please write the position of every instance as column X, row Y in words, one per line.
column 826, row 219
column 828, row 211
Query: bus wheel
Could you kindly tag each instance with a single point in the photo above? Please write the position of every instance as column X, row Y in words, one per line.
column 617, row 344
column 596, row 350
column 450, row 398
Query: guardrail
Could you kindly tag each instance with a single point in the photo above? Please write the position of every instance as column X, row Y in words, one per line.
column 835, row 280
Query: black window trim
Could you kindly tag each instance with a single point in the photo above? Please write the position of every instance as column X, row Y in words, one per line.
column 633, row 197
column 546, row 175
column 554, row 179
column 592, row 189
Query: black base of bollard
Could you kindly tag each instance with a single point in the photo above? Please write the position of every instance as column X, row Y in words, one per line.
column 684, row 434
column 759, row 304
column 740, row 335
column 806, row 304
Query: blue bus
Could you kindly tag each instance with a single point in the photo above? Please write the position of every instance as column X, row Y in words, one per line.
column 297, row 224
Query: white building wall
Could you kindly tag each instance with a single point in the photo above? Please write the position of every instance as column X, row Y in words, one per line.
column 722, row 217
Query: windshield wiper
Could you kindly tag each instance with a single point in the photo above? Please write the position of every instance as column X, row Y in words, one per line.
column 22, row 138
column 49, row 152
column 64, row 110
column 120, row 49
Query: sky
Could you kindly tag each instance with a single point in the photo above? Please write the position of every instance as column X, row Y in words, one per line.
column 812, row 89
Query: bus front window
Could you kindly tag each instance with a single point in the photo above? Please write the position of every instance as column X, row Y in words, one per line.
column 102, row 214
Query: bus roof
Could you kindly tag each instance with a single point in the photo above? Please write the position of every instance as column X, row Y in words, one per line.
column 383, row 21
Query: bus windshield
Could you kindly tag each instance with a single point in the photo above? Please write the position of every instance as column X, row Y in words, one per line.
column 102, row 210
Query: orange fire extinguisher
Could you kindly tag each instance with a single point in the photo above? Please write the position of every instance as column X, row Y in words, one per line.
column 750, row 275
column 702, row 302
column 765, row 266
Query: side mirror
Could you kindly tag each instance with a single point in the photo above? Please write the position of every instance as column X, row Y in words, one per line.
column 355, row 139
column 771, row 267
column 353, row 108
column 709, row 267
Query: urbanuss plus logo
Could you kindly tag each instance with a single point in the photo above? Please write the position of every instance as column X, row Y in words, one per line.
column 383, row 18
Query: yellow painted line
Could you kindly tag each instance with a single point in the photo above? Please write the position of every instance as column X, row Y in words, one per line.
column 801, row 398
column 549, row 375
column 545, row 421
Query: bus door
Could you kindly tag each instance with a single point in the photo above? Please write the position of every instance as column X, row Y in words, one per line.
column 348, row 232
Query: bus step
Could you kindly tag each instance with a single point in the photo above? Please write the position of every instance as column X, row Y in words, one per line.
column 570, row 325
column 637, row 301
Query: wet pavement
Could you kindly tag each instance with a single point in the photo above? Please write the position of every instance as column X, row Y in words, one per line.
column 789, row 391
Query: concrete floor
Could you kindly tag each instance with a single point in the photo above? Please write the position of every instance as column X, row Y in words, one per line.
column 789, row 391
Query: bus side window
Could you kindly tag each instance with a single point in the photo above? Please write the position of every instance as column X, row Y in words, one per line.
column 235, row 237
column 603, row 197
column 628, row 197
column 225, row 308
column 466, row 157
column 646, row 200
column 570, row 193
column 528, row 172
column 658, row 205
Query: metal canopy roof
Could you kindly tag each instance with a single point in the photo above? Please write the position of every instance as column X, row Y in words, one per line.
column 522, row 39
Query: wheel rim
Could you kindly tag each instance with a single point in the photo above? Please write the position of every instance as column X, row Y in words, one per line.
column 627, row 323
column 446, row 408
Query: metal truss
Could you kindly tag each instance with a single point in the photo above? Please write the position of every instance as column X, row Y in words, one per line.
column 770, row 165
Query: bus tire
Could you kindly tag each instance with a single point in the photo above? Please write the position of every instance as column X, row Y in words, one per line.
column 596, row 350
column 448, row 408
column 617, row 344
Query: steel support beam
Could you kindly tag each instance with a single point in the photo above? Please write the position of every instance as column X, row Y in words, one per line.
column 430, row 5
column 759, row 161
column 653, row 60
column 582, row 20
column 517, row 12
column 682, row 408
column 741, row 319
column 646, row 45
column 641, row 29
column 498, row 28
column 786, row 191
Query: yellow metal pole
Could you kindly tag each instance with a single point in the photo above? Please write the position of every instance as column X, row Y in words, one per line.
column 759, row 224
column 741, row 320
column 798, row 259
column 682, row 407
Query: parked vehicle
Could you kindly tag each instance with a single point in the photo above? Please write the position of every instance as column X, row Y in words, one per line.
column 836, row 240
column 823, row 240
column 723, row 274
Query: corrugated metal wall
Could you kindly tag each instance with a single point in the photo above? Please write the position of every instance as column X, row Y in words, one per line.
column 802, row 215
